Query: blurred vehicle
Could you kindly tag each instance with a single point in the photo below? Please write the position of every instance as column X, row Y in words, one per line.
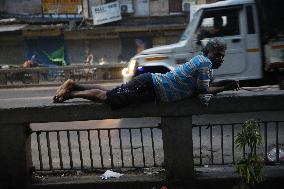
column 252, row 30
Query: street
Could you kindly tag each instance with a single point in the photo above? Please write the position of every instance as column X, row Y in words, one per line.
column 23, row 96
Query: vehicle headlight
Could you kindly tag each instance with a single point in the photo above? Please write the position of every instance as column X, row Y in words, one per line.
column 124, row 72
column 132, row 66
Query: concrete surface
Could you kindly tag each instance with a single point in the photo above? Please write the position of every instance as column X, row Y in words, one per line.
column 44, row 111
column 209, row 177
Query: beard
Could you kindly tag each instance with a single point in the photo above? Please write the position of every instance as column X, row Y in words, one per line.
column 216, row 65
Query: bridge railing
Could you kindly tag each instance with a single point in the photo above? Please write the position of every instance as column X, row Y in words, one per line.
column 43, row 75
column 88, row 150
column 176, row 126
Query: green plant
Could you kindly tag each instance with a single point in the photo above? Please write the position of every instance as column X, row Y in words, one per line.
column 251, row 166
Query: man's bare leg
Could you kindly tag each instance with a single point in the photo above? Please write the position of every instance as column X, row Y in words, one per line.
column 96, row 95
column 63, row 92
column 83, row 87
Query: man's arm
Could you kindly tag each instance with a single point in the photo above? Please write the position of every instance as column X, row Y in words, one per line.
column 224, row 85
column 204, row 85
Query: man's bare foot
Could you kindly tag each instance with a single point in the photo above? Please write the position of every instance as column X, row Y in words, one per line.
column 60, row 99
column 63, row 92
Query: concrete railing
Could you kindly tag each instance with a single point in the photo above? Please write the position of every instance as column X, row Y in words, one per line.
column 39, row 75
column 176, row 122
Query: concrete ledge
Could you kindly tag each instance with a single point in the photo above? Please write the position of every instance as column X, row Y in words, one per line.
column 226, row 172
column 225, row 176
column 173, row 115
column 211, row 177
column 130, row 181
column 43, row 110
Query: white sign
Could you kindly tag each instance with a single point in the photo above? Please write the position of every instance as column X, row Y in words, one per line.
column 106, row 13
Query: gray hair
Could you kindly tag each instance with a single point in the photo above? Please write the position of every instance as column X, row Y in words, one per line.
column 214, row 45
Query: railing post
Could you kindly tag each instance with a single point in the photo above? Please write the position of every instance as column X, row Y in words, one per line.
column 35, row 77
column 3, row 78
column 178, row 148
column 15, row 155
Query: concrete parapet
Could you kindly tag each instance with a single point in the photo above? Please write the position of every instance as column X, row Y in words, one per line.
column 15, row 154
column 176, row 126
column 178, row 148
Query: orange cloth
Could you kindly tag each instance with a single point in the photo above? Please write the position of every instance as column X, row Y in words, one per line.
column 27, row 64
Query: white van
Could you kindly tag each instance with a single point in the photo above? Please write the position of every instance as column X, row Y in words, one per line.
column 251, row 48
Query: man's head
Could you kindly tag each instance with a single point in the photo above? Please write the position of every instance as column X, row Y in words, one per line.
column 215, row 51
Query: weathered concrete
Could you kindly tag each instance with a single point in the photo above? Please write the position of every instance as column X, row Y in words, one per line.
column 128, row 180
column 211, row 177
column 178, row 148
column 15, row 154
column 46, row 111
column 226, row 176
column 159, row 8
column 179, row 162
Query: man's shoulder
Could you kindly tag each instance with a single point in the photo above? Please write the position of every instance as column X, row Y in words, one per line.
column 201, row 60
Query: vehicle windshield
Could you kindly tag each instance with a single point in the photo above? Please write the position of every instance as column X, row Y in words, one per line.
column 185, row 35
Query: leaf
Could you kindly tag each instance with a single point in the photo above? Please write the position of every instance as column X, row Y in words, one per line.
column 251, row 167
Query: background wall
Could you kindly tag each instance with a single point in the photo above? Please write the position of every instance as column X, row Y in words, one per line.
column 109, row 49
column 159, row 8
column 141, row 8
column 22, row 6
column 11, row 51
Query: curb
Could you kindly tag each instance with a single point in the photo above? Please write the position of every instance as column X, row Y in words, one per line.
column 212, row 177
column 138, row 181
column 54, row 84
column 226, row 176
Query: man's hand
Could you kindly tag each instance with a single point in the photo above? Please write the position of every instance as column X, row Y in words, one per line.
column 224, row 85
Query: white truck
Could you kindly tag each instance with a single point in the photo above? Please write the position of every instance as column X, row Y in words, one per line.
column 252, row 29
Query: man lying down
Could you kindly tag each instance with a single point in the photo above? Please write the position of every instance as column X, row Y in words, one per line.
column 193, row 78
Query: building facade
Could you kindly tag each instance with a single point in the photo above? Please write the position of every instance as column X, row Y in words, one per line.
column 63, row 32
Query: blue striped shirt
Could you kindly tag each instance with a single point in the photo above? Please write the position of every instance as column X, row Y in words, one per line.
column 183, row 81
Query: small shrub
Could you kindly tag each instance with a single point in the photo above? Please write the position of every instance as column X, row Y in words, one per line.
column 251, row 167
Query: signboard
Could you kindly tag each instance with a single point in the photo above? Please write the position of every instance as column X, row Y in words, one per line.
column 62, row 6
column 42, row 32
column 106, row 13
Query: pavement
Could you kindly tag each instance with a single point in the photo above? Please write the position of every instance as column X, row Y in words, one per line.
column 138, row 178
column 206, row 177
column 52, row 83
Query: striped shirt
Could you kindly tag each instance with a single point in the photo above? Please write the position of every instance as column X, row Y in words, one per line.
column 184, row 81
